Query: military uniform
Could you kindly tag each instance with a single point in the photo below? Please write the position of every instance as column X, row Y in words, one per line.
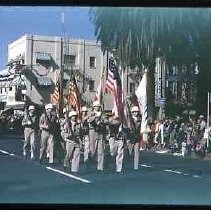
column 49, row 126
column 135, row 136
column 101, row 122
column 71, row 134
column 30, row 123
column 116, row 140
column 85, row 133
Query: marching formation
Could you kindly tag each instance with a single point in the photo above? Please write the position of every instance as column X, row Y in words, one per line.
column 81, row 138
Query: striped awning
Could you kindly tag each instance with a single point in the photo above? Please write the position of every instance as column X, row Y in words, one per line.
column 44, row 81
column 43, row 56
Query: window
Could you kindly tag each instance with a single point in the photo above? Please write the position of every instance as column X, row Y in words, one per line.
column 91, row 85
column 1, row 90
column 69, row 60
column 92, row 62
column 10, row 88
column 132, row 87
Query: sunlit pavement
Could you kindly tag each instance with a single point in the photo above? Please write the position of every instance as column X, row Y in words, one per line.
column 161, row 179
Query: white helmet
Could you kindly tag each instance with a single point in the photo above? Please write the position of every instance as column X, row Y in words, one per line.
column 99, row 114
column 84, row 109
column 135, row 109
column 48, row 106
column 72, row 113
column 96, row 103
column 31, row 107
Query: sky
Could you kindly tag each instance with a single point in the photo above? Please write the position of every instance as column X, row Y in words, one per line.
column 18, row 21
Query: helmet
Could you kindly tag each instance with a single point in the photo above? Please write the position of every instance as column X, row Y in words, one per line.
column 31, row 107
column 96, row 103
column 201, row 116
column 72, row 113
column 84, row 109
column 64, row 110
column 135, row 109
column 48, row 106
column 99, row 114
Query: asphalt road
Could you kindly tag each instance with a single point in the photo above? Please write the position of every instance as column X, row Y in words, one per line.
column 161, row 179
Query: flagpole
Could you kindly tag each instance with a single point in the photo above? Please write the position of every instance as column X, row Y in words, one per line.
column 62, row 67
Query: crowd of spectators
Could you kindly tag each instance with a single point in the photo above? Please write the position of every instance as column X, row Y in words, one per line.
column 179, row 135
column 10, row 124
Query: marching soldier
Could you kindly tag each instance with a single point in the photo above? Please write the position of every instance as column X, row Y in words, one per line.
column 30, row 123
column 49, row 126
column 92, row 126
column 97, row 132
column 85, row 127
column 63, row 120
column 101, row 131
column 117, row 137
column 71, row 134
column 136, row 135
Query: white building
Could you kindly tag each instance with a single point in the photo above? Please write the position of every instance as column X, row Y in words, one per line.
column 42, row 55
column 38, row 58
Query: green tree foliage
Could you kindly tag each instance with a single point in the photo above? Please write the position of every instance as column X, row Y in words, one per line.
column 183, row 35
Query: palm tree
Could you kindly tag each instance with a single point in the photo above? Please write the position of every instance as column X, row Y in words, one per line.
column 139, row 34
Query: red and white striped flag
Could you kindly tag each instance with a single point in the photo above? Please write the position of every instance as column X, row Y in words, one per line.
column 113, row 85
column 55, row 97
column 74, row 98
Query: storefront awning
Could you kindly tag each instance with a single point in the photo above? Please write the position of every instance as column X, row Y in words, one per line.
column 16, row 105
column 43, row 56
column 44, row 81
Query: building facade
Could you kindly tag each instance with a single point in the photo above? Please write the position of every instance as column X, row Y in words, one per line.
column 39, row 59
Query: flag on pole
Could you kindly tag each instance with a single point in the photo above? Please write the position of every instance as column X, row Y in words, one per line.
column 141, row 94
column 55, row 97
column 74, row 98
column 99, row 92
column 113, row 85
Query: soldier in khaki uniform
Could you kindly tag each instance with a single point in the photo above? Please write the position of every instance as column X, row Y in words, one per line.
column 63, row 120
column 85, row 128
column 48, row 125
column 71, row 134
column 117, row 136
column 135, row 137
column 30, row 123
column 92, row 126
column 101, row 131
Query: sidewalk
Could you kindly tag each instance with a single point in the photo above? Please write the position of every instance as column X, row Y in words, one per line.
column 166, row 151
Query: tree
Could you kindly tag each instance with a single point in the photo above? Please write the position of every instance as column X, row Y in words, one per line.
column 139, row 34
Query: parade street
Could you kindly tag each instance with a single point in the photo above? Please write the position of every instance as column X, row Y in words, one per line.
column 161, row 179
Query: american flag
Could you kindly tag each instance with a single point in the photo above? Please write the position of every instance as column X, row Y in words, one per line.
column 55, row 96
column 74, row 98
column 114, row 85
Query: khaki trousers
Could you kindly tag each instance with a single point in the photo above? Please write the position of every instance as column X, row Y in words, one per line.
column 119, row 152
column 73, row 154
column 30, row 137
column 100, row 145
column 47, row 143
column 92, row 145
column 86, row 147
